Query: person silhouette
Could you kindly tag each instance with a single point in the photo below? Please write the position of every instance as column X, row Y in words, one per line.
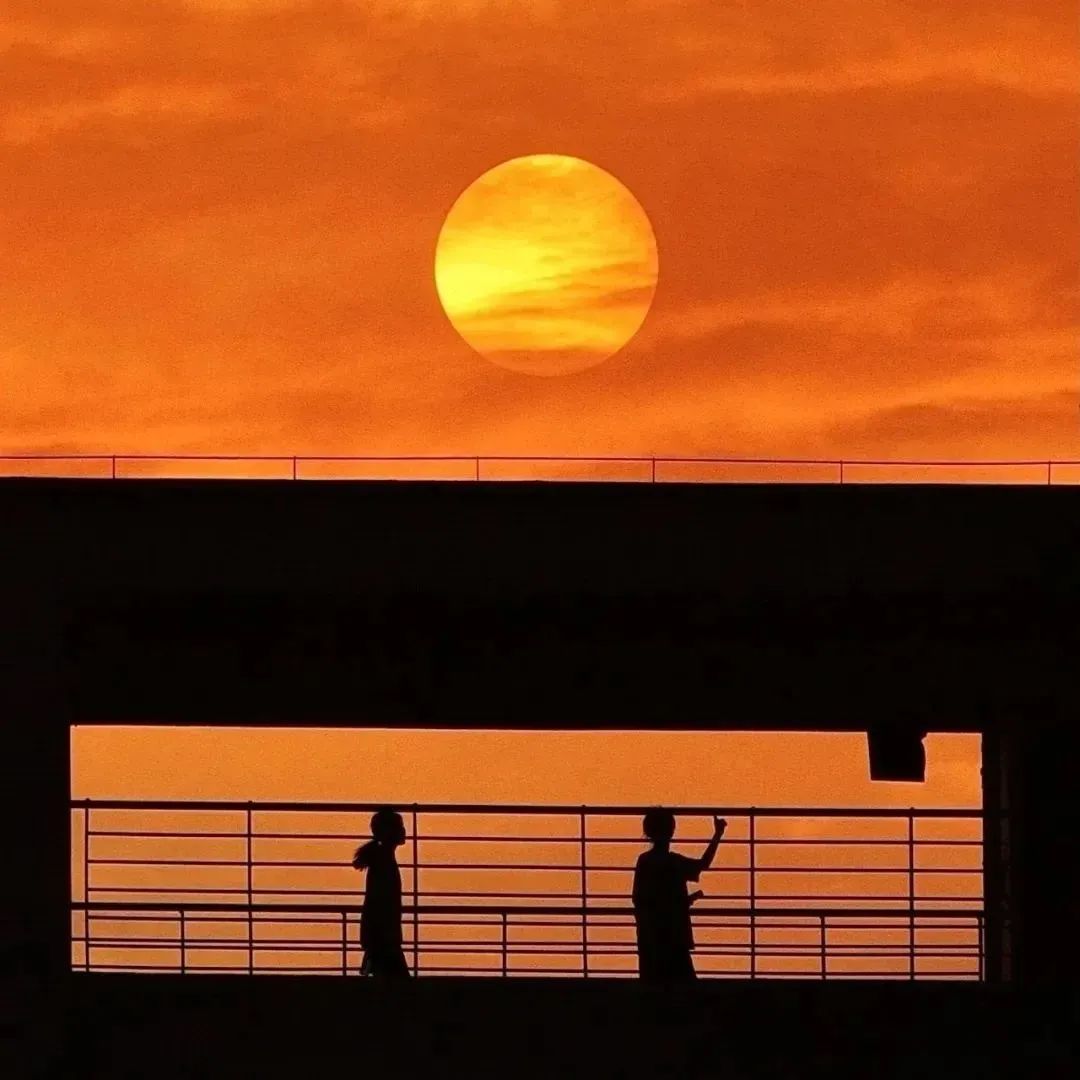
column 665, row 937
column 380, row 919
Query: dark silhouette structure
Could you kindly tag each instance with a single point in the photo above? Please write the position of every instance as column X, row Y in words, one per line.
column 661, row 904
column 380, row 921
column 696, row 607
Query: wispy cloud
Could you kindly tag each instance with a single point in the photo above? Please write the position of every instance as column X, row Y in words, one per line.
column 224, row 218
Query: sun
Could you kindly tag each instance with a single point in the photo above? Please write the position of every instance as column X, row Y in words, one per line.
column 546, row 264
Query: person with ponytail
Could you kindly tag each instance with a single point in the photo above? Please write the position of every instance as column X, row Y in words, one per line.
column 380, row 919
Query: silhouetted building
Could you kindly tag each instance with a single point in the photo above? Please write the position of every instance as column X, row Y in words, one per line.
column 902, row 609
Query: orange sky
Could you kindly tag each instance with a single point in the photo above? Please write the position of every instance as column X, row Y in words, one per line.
column 560, row 767
column 219, row 219
column 632, row 768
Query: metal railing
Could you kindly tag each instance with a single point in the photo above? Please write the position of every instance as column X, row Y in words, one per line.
column 523, row 890
column 802, row 942
column 641, row 469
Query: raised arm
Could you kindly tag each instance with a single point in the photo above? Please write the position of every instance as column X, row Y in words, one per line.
column 719, row 825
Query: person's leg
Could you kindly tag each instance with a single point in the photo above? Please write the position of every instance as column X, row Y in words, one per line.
column 684, row 970
column 649, row 967
column 396, row 965
column 673, row 966
column 388, row 961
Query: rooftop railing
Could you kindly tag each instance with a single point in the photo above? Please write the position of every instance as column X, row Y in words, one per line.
column 631, row 469
column 265, row 887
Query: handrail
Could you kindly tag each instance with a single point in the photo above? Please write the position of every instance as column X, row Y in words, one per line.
column 517, row 940
column 569, row 911
column 546, row 458
column 471, row 466
column 495, row 809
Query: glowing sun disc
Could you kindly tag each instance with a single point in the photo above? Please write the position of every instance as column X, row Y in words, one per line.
column 546, row 264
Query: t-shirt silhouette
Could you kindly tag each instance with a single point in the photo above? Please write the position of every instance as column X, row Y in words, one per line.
column 661, row 904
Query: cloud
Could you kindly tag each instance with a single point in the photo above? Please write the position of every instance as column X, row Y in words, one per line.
column 1016, row 68
column 783, row 49
column 223, row 218
column 1032, row 426
column 147, row 103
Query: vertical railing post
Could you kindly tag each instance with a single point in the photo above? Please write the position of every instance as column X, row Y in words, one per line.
column 504, row 946
column 86, row 939
column 653, row 476
column 753, row 895
column 183, row 944
column 1049, row 473
column 86, row 883
column 476, row 474
column 344, row 942
column 981, row 946
column 821, row 940
column 415, row 890
column 584, row 898
column 294, row 467
column 250, row 889
column 911, row 892
column 112, row 474
column 841, row 472
column 997, row 859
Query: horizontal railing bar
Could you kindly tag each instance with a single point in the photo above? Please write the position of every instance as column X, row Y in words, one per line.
column 477, row 909
column 223, row 891
column 196, row 862
column 539, row 948
column 901, row 902
column 237, row 918
column 504, row 839
column 219, row 969
column 526, row 923
column 494, row 971
column 224, row 945
column 860, row 870
column 495, row 810
column 901, row 925
column 137, row 834
column 551, row 458
column 144, row 967
column 561, row 868
column 529, row 924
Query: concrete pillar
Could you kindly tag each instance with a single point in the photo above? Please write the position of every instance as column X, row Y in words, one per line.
column 1032, row 851
column 35, row 927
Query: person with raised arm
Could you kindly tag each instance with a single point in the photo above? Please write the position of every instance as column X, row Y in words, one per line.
column 665, row 937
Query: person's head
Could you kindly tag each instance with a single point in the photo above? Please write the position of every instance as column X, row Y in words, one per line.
column 387, row 827
column 659, row 825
